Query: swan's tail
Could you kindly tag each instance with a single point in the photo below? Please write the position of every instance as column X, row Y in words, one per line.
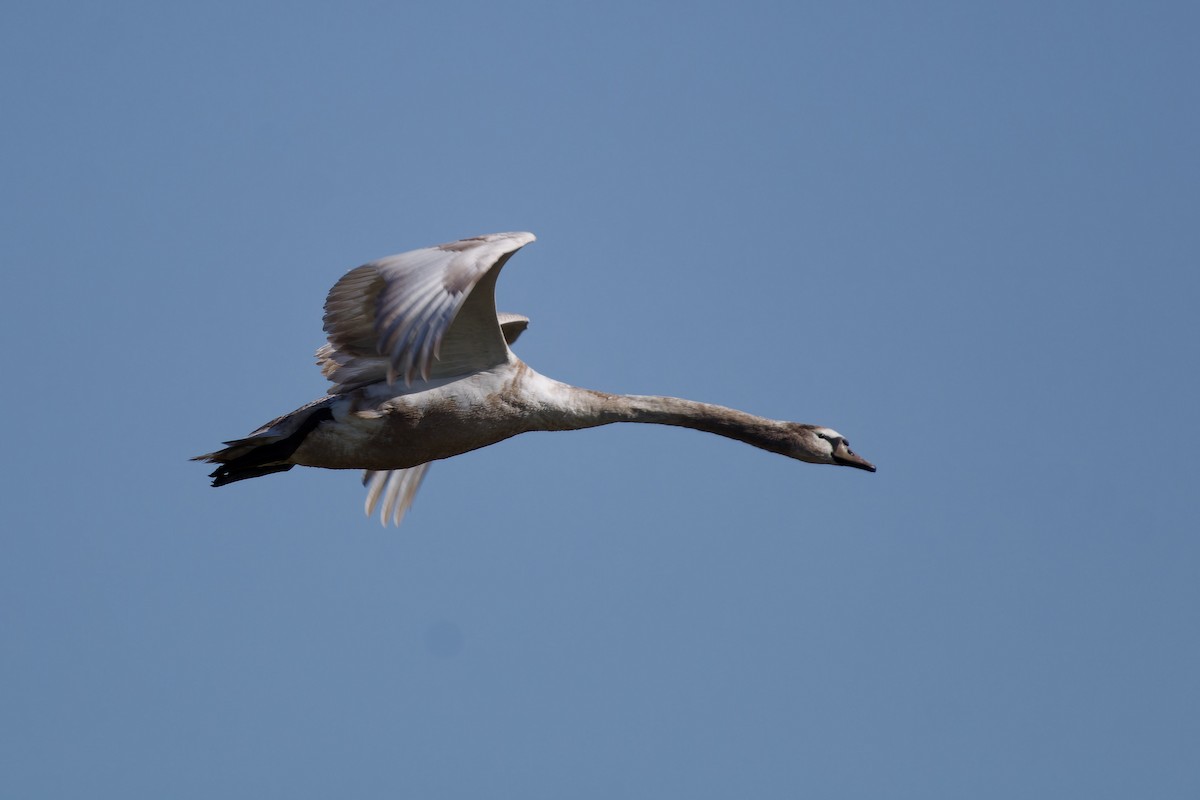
column 267, row 450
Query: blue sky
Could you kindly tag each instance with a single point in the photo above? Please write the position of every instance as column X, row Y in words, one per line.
column 964, row 235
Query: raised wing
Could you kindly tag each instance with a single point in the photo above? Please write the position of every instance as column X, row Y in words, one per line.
column 427, row 313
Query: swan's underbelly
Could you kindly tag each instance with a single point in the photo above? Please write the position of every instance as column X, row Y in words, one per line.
column 402, row 433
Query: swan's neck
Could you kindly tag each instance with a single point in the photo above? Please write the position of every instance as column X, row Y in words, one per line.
column 570, row 408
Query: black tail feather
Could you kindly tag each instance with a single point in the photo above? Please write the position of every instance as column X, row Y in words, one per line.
column 233, row 472
column 267, row 458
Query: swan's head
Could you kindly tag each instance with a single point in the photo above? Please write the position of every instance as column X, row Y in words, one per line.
column 827, row 446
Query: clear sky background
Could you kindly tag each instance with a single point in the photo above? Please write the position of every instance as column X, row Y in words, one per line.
column 965, row 235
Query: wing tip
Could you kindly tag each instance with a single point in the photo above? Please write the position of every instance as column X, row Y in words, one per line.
column 520, row 238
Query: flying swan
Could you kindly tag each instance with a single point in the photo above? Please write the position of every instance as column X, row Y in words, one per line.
column 421, row 370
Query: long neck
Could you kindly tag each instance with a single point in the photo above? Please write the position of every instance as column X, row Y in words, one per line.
column 575, row 408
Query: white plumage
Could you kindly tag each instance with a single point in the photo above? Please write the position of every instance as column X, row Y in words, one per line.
column 422, row 370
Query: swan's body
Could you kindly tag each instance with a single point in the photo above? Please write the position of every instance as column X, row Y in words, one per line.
column 422, row 370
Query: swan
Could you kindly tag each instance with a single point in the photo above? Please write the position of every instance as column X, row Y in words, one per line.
column 421, row 370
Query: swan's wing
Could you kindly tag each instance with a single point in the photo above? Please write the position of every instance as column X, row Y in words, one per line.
column 396, row 487
column 350, row 371
column 426, row 313
column 512, row 325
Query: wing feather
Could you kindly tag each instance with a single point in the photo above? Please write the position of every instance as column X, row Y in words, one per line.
column 396, row 487
column 388, row 319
